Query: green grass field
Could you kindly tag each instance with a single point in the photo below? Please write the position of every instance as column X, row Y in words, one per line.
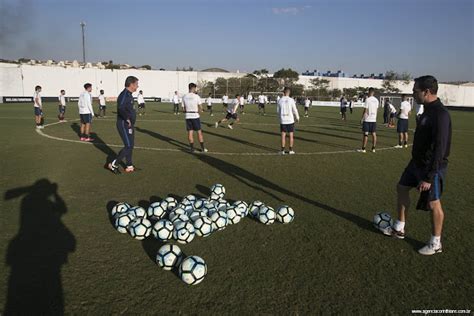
column 330, row 260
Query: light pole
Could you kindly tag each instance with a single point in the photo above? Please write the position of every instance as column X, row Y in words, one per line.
column 83, row 24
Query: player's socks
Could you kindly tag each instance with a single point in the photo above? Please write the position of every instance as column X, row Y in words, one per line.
column 191, row 147
column 202, row 146
column 435, row 240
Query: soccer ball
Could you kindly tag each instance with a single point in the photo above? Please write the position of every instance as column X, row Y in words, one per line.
column 254, row 208
column 122, row 221
column 209, row 208
column 179, row 218
column 199, row 203
column 183, row 232
column 266, row 215
column 219, row 220
column 285, row 214
column 217, row 192
column 188, row 199
column 119, row 208
column 194, row 215
column 243, row 207
column 140, row 228
column 203, row 226
column 169, row 256
column 382, row 220
column 233, row 215
column 137, row 211
column 157, row 210
column 170, row 203
column 192, row 270
column 163, row 230
column 221, row 205
column 178, row 210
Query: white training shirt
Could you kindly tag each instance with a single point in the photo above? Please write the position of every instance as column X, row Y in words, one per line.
column 242, row 100
column 62, row 100
column 249, row 98
column 209, row 101
column 225, row 99
column 175, row 99
column 232, row 107
column 140, row 99
column 287, row 110
column 191, row 102
column 261, row 98
column 405, row 108
column 102, row 99
column 392, row 108
column 371, row 106
column 38, row 104
column 307, row 103
column 85, row 103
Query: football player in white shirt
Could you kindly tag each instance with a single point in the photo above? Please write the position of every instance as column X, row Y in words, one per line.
column 402, row 124
column 175, row 101
column 192, row 105
column 225, row 102
column 393, row 113
column 62, row 105
column 369, row 120
column 102, row 103
column 209, row 104
column 231, row 113
column 288, row 114
column 86, row 112
column 141, row 103
column 38, row 107
column 307, row 104
column 261, row 103
column 249, row 98
column 242, row 104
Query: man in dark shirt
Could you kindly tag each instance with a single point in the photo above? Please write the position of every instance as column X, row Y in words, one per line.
column 427, row 168
column 386, row 111
column 126, row 117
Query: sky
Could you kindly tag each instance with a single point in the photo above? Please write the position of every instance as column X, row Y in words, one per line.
column 355, row 36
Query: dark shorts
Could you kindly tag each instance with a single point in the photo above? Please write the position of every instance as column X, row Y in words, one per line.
column 413, row 175
column 287, row 128
column 261, row 105
column 62, row 109
column 209, row 107
column 402, row 126
column 85, row 118
column 141, row 106
column 224, row 105
column 369, row 127
column 343, row 109
column 193, row 124
column 102, row 107
column 229, row 116
column 38, row 111
column 392, row 115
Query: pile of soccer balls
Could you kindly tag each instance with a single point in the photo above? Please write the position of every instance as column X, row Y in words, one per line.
column 169, row 220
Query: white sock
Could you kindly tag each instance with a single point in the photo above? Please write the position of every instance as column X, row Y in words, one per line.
column 435, row 240
column 113, row 163
column 399, row 225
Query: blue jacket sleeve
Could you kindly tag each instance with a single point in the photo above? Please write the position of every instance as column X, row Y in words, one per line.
column 441, row 134
column 123, row 107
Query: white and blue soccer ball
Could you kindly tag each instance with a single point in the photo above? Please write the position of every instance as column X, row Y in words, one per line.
column 254, row 208
column 382, row 220
column 192, row 270
column 194, row 215
column 137, row 211
column 120, row 208
column 163, row 230
column 285, row 214
column 243, row 207
column 217, row 192
column 183, row 232
column 175, row 218
column 203, row 226
column 209, row 208
column 221, row 205
column 177, row 210
column 188, row 199
column 266, row 215
column 233, row 214
column 170, row 203
column 157, row 210
column 219, row 220
column 169, row 256
column 199, row 203
column 139, row 228
column 122, row 221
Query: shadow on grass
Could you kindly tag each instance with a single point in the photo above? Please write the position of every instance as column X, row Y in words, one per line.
column 243, row 142
column 169, row 140
column 98, row 143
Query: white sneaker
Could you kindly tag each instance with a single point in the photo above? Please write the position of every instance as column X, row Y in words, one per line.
column 282, row 152
column 406, row 146
column 205, row 150
column 398, row 146
column 390, row 231
column 373, row 150
column 42, row 126
column 230, row 127
column 361, row 151
column 38, row 127
column 430, row 249
column 291, row 152
column 216, row 125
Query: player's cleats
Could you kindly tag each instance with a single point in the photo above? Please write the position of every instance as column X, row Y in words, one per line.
column 130, row 169
column 373, row 150
column 83, row 139
column 88, row 139
column 430, row 249
column 230, row 127
column 291, row 152
column 204, row 150
column 216, row 125
column 390, row 231
column 282, row 152
column 406, row 146
column 361, row 151
column 113, row 168
column 398, row 146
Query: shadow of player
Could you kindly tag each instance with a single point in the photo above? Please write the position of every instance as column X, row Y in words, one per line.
column 98, row 143
column 38, row 251
column 169, row 140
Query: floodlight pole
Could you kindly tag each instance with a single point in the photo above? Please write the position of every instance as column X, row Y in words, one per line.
column 83, row 24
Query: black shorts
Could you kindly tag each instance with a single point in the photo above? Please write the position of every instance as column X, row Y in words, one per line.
column 62, row 109
column 229, row 116
column 209, row 107
column 141, row 105
column 392, row 115
column 102, row 107
column 261, row 105
column 369, row 127
column 85, row 118
column 343, row 109
column 287, row 128
column 402, row 126
column 224, row 105
column 38, row 111
column 413, row 175
column 193, row 124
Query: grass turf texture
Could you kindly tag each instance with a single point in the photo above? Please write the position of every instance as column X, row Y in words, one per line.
column 329, row 260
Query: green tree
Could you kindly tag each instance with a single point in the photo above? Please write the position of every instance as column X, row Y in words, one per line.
column 286, row 77
column 390, row 81
column 148, row 67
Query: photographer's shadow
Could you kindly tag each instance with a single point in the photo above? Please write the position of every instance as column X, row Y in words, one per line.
column 38, row 251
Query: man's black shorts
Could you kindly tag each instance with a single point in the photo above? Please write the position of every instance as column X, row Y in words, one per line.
column 229, row 116
column 402, row 126
column 369, row 127
column 193, row 124
column 413, row 175
column 261, row 105
column 287, row 128
column 343, row 109
column 141, row 105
